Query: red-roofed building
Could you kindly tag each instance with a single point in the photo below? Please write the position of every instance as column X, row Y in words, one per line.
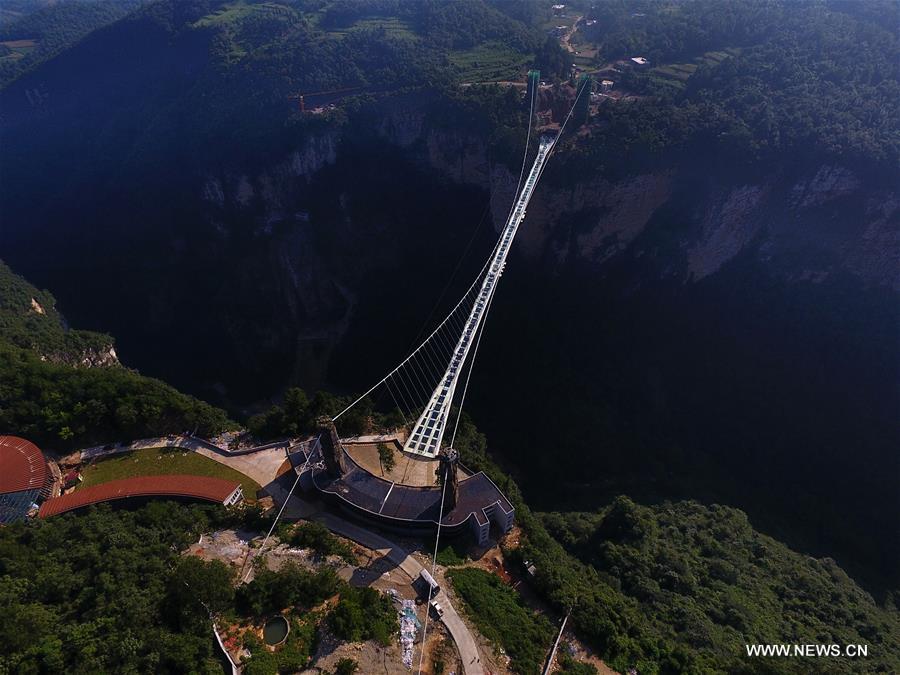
column 24, row 477
column 225, row 492
column 22, row 465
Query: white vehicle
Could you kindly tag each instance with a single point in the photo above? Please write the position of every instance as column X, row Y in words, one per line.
column 438, row 610
column 428, row 583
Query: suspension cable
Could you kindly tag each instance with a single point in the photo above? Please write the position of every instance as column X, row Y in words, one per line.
column 281, row 510
column 478, row 276
column 471, row 367
column 437, row 538
column 487, row 208
column 413, row 353
column 494, row 288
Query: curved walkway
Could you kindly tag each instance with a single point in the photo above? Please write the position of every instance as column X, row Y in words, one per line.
column 203, row 488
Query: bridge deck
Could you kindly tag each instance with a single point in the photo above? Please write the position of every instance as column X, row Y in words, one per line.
column 428, row 431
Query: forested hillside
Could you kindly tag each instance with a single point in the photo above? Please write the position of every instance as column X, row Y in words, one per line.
column 30, row 320
column 682, row 587
column 745, row 84
column 64, row 388
column 702, row 576
column 33, row 32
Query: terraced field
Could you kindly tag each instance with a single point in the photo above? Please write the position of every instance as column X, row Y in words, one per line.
column 488, row 62
column 678, row 73
column 391, row 25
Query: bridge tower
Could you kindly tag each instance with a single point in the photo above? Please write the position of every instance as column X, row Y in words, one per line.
column 332, row 450
column 582, row 112
column 534, row 81
column 448, row 477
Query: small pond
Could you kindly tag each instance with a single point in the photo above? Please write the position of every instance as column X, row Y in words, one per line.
column 275, row 630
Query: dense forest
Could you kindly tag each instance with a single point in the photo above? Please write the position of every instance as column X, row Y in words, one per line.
column 109, row 591
column 103, row 592
column 29, row 320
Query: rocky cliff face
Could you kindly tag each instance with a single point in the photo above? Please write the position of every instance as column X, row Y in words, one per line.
column 86, row 358
column 683, row 225
column 830, row 217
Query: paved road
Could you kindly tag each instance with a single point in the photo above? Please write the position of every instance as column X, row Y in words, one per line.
column 261, row 466
column 462, row 636
column 459, row 631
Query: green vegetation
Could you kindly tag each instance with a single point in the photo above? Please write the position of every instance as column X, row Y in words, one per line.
column 364, row 614
column 387, row 456
column 60, row 405
column 677, row 71
column 360, row 614
column 346, row 667
column 301, row 643
column 292, row 655
column 262, row 661
column 29, row 320
column 501, row 616
column 569, row 666
column 459, row 25
column 163, row 461
column 317, row 537
column 703, row 576
column 53, row 28
column 451, row 554
column 393, row 27
column 103, row 592
column 668, row 588
column 490, row 61
column 493, row 113
column 752, row 80
column 270, row 592
column 199, row 589
column 108, row 591
column 682, row 587
column 298, row 415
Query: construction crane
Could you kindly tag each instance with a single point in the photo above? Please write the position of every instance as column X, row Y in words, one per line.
column 301, row 104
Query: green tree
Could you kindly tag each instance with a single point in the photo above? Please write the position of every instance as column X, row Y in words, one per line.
column 199, row 590
column 363, row 614
column 346, row 666
column 386, row 457
column 296, row 411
